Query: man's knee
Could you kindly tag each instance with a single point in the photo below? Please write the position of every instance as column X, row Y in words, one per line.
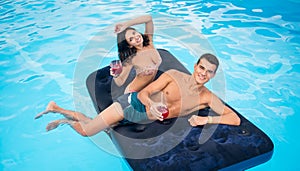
column 118, row 109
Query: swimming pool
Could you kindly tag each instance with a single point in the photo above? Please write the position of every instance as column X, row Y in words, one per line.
column 46, row 47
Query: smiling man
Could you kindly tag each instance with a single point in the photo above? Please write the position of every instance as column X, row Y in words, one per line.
column 184, row 93
column 179, row 93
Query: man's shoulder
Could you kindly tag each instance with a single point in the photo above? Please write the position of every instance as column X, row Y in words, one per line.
column 174, row 74
column 174, row 71
column 205, row 90
column 206, row 94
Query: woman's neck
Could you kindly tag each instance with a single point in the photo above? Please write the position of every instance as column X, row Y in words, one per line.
column 140, row 47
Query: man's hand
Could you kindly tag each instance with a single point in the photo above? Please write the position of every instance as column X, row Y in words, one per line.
column 198, row 120
column 154, row 111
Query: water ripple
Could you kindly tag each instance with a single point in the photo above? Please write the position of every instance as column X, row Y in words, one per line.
column 31, row 78
column 6, row 118
column 267, row 33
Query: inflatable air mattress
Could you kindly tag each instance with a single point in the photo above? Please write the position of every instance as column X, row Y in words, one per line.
column 173, row 144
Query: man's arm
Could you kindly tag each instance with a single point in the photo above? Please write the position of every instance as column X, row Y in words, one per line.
column 226, row 115
column 154, row 87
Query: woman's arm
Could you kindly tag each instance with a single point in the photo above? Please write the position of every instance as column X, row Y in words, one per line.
column 120, row 79
column 147, row 19
column 156, row 59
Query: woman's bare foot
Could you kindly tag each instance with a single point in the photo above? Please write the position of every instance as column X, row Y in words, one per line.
column 51, row 107
column 54, row 124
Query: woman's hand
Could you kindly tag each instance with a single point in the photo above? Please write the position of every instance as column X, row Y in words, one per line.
column 113, row 73
column 119, row 27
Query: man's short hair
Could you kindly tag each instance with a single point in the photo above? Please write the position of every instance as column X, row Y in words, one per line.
column 210, row 58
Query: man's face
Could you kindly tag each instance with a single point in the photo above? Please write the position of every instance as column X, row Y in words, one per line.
column 204, row 71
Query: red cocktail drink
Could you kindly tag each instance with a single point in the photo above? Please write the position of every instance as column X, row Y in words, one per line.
column 164, row 110
column 116, row 67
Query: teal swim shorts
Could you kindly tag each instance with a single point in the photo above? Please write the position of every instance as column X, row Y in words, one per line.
column 133, row 109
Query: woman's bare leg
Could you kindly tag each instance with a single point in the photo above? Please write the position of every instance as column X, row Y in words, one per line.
column 72, row 115
column 105, row 119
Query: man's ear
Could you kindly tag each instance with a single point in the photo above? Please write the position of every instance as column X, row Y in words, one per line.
column 213, row 75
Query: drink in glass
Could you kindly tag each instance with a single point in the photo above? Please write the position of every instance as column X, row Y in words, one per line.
column 164, row 110
column 116, row 67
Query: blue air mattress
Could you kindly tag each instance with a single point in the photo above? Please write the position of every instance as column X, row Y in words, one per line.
column 173, row 144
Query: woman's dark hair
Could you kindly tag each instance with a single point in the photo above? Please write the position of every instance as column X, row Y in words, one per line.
column 124, row 51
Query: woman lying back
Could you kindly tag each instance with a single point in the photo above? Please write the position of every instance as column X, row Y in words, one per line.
column 136, row 50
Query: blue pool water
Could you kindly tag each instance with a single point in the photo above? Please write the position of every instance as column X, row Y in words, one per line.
column 47, row 48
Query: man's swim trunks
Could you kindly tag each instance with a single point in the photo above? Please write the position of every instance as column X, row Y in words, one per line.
column 133, row 109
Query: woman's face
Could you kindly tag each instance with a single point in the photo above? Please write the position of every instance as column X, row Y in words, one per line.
column 134, row 38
